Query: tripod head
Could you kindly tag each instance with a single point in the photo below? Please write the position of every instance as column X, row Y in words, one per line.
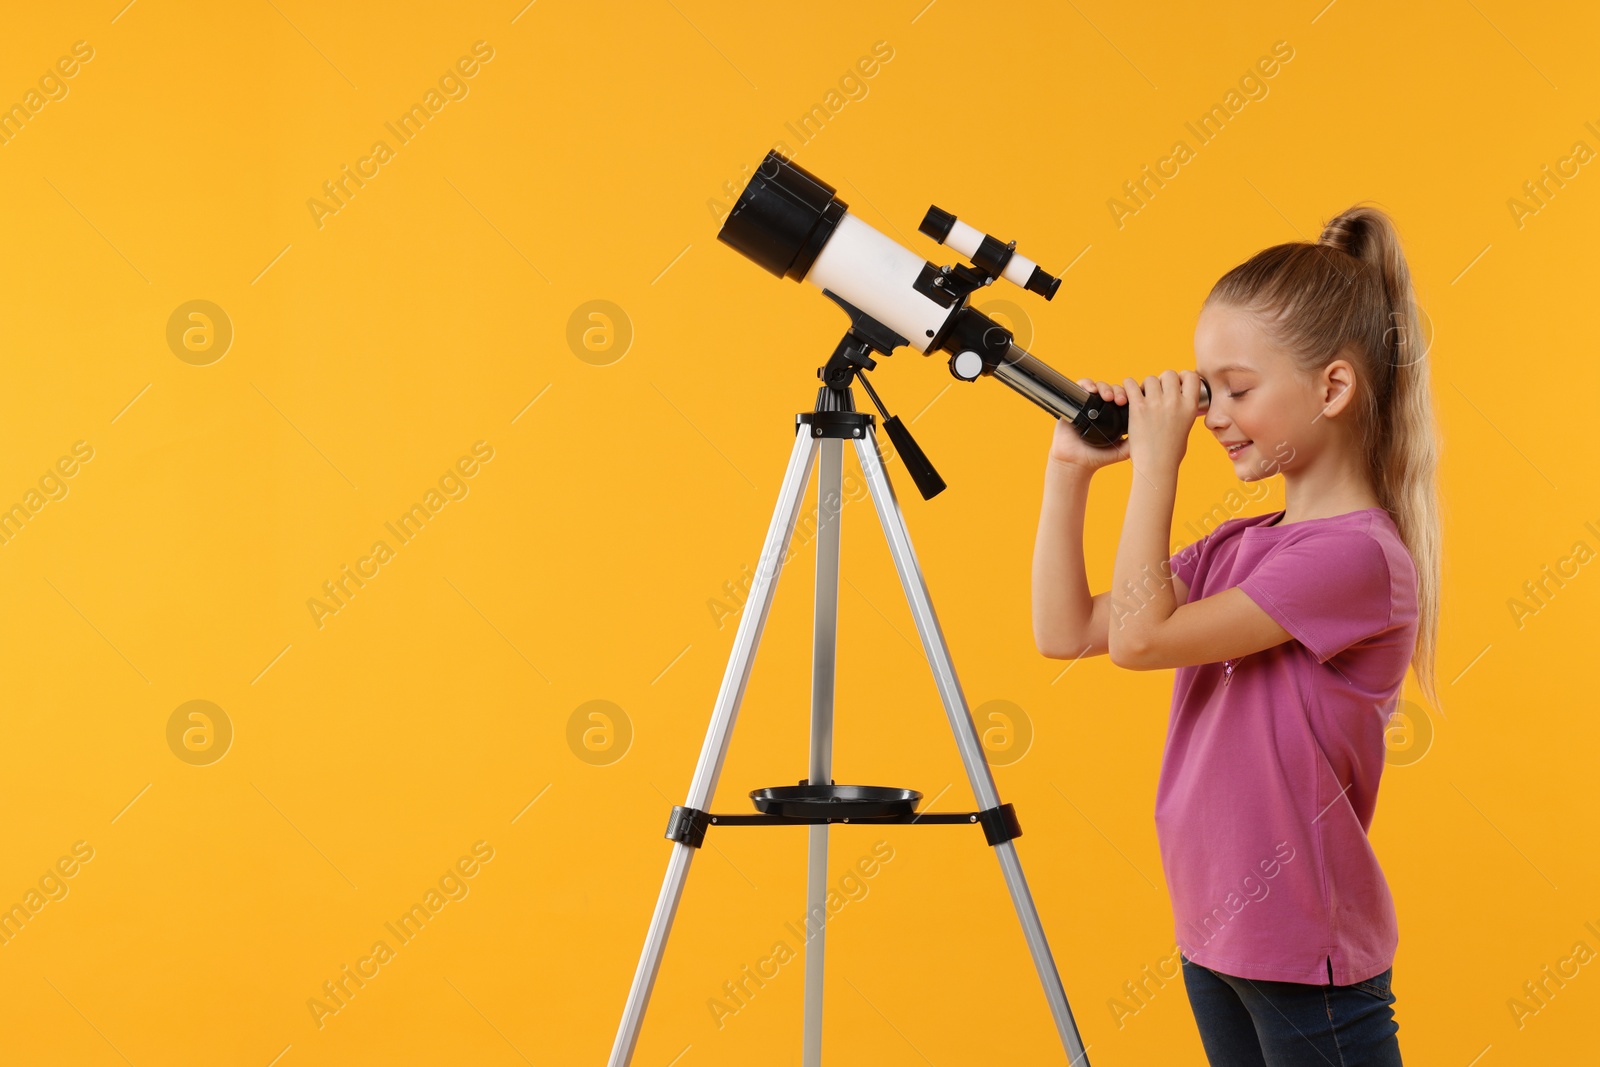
column 849, row 361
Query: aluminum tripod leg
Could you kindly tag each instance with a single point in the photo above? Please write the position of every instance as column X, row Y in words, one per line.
column 824, row 654
column 751, row 622
column 966, row 734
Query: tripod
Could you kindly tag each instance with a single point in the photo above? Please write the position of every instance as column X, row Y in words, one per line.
column 818, row 802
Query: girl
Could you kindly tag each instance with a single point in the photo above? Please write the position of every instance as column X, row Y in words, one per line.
column 1290, row 633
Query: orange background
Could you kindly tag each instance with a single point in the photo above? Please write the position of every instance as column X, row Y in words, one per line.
column 347, row 760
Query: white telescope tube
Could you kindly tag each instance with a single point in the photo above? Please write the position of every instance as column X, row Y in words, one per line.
column 878, row 275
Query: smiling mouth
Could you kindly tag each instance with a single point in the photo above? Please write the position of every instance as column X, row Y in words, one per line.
column 1234, row 450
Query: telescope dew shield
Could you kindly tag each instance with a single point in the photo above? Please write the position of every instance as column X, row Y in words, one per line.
column 783, row 218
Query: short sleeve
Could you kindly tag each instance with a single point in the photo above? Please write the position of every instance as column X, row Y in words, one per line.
column 1184, row 562
column 1329, row 590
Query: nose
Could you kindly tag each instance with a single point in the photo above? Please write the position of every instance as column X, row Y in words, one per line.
column 1216, row 421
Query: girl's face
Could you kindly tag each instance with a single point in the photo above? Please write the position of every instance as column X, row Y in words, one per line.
column 1262, row 409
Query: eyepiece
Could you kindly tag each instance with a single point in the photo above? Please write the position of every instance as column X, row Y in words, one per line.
column 1043, row 284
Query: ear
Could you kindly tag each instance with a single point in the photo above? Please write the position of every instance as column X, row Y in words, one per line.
column 1336, row 386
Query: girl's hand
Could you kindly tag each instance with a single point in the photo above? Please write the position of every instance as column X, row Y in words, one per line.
column 1068, row 446
column 1161, row 413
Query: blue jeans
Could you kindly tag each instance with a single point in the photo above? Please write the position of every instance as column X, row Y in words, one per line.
column 1249, row 1023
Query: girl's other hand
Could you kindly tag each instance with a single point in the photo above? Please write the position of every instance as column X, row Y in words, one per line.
column 1069, row 447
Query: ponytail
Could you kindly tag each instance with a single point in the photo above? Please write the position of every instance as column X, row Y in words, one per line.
column 1350, row 292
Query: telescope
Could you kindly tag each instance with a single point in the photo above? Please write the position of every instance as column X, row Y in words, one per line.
column 793, row 224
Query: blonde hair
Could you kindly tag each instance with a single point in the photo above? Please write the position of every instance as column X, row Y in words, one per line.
column 1348, row 294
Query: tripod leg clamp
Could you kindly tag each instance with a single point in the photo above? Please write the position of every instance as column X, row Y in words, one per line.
column 1000, row 824
column 688, row 826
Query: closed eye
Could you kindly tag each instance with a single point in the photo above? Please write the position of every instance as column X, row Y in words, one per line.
column 1241, row 393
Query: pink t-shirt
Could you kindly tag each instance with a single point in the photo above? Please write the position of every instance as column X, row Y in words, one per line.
column 1270, row 773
